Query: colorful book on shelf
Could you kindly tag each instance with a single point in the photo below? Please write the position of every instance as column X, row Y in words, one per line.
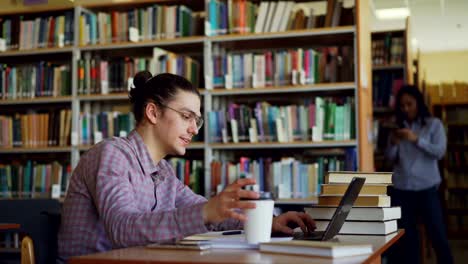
column 357, row 213
column 100, row 75
column 138, row 24
column 288, row 177
column 94, row 127
column 280, row 68
column 239, row 17
column 317, row 248
column 32, row 180
column 34, row 80
column 36, row 130
column 190, row 172
column 35, row 32
column 269, row 123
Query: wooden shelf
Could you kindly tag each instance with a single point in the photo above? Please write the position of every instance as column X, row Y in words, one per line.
column 104, row 97
column 35, row 150
column 458, row 189
column 285, row 34
column 47, row 51
column 196, row 145
column 38, row 9
column 10, row 250
column 457, row 145
column 457, row 169
column 457, row 124
column 113, row 96
column 320, row 87
column 388, row 67
column 451, row 103
column 382, row 110
column 297, row 201
column 458, row 233
column 276, row 145
column 457, row 211
column 37, row 100
column 9, row 226
column 148, row 43
column 132, row 3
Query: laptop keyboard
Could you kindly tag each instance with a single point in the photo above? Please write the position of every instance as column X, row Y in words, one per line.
column 317, row 235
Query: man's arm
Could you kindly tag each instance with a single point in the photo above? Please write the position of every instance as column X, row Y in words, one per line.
column 187, row 198
column 125, row 224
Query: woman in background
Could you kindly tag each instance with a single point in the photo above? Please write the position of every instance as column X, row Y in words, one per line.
column 414, row 150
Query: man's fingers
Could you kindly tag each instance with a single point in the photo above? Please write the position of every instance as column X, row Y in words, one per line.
column 295, row 218
column 237, row 194
column 309, row 221
column 284, row 229
column 244, row 205
column 245, row 194
column 239, row 183
column 238, row 216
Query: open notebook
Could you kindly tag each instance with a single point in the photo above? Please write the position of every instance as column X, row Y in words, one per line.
column 218, row 240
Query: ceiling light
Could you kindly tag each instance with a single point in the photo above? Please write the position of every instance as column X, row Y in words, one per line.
column 392, row 13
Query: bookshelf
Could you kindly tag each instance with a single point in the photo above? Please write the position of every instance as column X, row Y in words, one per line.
column 454, row 187
column 392, row 67
column 201, row 47
column 449, row 102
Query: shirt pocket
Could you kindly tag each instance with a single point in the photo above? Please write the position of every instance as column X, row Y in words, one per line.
column 144, row 193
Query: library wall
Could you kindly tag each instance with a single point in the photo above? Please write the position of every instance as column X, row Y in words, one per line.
column 444, row 66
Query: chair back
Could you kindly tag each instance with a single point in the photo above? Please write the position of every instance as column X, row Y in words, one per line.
column 39, row 219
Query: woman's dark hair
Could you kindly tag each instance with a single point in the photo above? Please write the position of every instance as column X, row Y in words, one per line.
column 159, row 89
column 423, row 111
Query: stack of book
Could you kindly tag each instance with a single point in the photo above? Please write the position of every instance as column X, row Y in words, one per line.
column 371, row 214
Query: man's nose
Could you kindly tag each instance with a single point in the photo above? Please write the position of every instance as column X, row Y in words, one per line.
column 193, row 128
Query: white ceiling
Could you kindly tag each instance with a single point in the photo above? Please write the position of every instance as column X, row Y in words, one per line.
column 437, row 25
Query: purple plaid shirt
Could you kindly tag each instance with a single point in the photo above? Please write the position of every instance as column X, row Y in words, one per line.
column 118, row 197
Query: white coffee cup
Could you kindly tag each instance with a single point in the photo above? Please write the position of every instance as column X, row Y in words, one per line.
column 259, row 220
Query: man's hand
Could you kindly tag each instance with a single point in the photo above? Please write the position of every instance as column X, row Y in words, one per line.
column 407, row 134
column 220, row 207
column 285, row 223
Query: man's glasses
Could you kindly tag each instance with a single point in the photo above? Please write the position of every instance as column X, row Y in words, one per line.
column 189, row 117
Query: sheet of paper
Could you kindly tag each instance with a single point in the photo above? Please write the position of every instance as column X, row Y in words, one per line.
column 218, row 240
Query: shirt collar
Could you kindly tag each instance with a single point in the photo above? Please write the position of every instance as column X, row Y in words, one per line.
column 146, row 162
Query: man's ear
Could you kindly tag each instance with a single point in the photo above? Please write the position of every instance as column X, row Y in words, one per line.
column 152, row 113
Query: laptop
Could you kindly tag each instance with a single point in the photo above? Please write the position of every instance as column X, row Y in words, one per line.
column 339, row 216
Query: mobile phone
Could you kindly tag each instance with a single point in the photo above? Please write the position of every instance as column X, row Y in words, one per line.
column 391, row 126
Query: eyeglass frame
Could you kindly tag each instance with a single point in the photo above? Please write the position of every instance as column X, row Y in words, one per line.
column 193, row 116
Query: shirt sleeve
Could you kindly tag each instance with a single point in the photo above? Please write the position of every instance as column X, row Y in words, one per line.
column 117, row 207
column 187, row 198
column 437, row 144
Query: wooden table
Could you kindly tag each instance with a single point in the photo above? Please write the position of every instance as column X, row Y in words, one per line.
column 12, row 228
column 143, row 255
column 9, row 226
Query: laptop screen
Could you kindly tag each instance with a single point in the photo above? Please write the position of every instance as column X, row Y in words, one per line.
column 343, row 209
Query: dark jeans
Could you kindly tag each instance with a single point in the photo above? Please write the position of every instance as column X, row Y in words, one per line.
column 424, row 204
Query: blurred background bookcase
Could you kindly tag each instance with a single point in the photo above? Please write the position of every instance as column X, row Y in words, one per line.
column 393, row 65
column 449, row 102
column 202, row 34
